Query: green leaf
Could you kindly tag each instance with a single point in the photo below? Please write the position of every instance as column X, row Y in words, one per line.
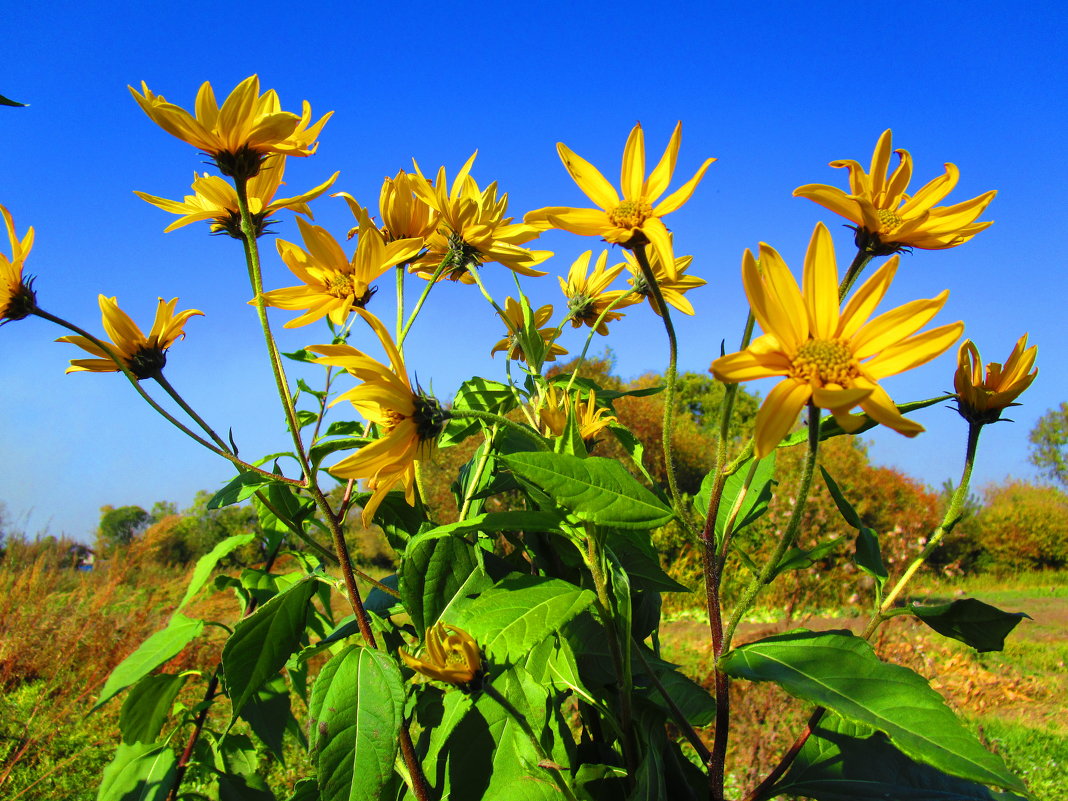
column 596, row 489
column 518, row 612
column 138, row 772
column 756, row 500
column 302, row 385
column 147, row 707
column 6, row 101
column 636, row 451
column 207, row 563
column 845, row 762
column 305, row 790
column 268, row 714
column 482, row 396
column 302, row 355
column 841, row 672
column 868, row 556
column 263, row 641
column 982, row 626
column 160, row 647
column 238, row 489
column 356, row 712
column 325, row 447
column 696, row 705
column 495, row 521
column 799, row 558
column 641, row 560
column 829, row 426
column 345, row 428
column 434, row 572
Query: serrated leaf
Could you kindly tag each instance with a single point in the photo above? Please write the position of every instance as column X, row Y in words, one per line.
column 841, row 672
column 356, row 708
column 433, row 572
column 147, row 707
column 518, row 612
column 596, row 489
column 207, row 563
column 138, row 772
column 263, row 641
column 982, row 626
column 845, row 762
column 160, row 647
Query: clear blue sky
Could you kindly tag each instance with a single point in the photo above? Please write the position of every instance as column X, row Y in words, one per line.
column 775, row 91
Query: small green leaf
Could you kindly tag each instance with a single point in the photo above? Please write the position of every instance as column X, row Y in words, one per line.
column 305, row 790
column 161, row 647
column 302, row 385
column 868, row 555
column 238, row 489
column 147, row 707
column 5, row 101
column 325, row 447
column 982, row 626
column 207, row 563
column 306, row 418
column 753, row 506
column 596, row 489
column 800, row 559
column 138, row 772
column 345, row 428
column 356, row 711
column 518, row 612
column 263, row 641
column 841, row 672
column 302, row 355
column 495, row 521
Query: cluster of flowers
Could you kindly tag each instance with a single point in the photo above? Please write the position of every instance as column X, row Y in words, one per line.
column 830, row 355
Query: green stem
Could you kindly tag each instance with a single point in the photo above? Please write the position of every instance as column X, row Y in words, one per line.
column 860, row 261
column 400, row 268
column 480, row 468
column 669, row 392
column 475, row 414
column 170, row 390
column 419, row 303
column 593, row 330
column 544, row 761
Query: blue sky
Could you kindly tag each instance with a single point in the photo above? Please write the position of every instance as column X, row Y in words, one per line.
column 775, row 91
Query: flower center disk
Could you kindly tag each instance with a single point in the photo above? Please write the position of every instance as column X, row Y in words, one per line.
column 630, row 214
column 888, row 221
column 825, row 361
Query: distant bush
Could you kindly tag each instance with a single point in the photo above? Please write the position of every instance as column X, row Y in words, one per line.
column 1023, row 526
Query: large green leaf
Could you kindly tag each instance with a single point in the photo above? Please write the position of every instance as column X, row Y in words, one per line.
column 596, row 489
column 147, row 707
column 980, row 625
column 206, row 564
column 263, row 641
column 435, row 570
column 356, row 710
column 139, row 772
column 153, row 652
column 518, row 612
column 268, row 714
column 481, row 395
column 845, row 762
column 841, row 672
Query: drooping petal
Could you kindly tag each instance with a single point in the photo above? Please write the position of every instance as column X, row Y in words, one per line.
column 778, row 414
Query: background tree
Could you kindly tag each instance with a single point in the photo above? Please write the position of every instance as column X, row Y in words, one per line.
column 1049, row 444
column 118, row 527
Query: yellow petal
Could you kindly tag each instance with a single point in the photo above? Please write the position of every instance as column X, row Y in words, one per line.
column 660, row 177
column 914, row 351
column 779, row 413
column 588, row 178
column 821, row 284
column 632, row 176
column 895, row 325
column 677, row 198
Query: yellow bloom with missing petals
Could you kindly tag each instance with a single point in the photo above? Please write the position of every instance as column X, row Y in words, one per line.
column 248, row 127
column 829, row 356
column 404, row 216
column 555, row 407
column 143, row 356
column 982, row 399
column 333, row 285
column 409, row 421
column 888, row 219
column 588, row 295
column 633, row 219
column 17, row 300
column 472, row 229
column 452, row 656
column 214, row 199
column 513, row 319
column 672, row 285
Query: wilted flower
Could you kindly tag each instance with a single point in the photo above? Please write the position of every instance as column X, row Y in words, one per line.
column 17, row 299
column 513, row 319
column 982, row 399
column 143, row 356
column 828, row 356
column 887, row 219
column 452, row 656
column 409, row 421
column 632, row 220
column 214, row 199
column 588, row 295
column 248, row 127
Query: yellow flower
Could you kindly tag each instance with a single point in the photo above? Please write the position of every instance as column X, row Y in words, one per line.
column 332, row 284
column 829, row 356
column 471, row 229
column 632, row 220
column 555, row 408
column 887, row 219
column 404, row 216
column 17, row 299
column 452, row 656
column 215, row 199
column 672, row 285
column 143, row 356
column 587, row 295
column 982, row 399
column 513, row 319
column 409, row 421
column 248, row 127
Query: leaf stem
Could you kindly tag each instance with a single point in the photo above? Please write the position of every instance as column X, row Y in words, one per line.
column 476, row 414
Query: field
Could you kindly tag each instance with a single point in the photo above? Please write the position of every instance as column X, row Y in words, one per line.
column 64, row 630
